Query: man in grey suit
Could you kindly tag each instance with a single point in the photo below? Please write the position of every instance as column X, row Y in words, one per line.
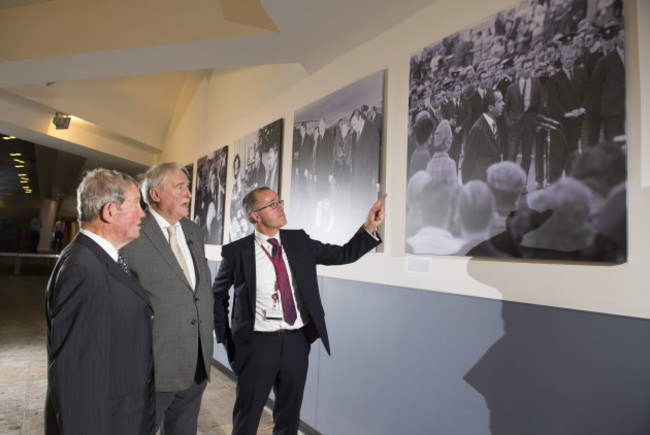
column 169, row 261
column 99, row 320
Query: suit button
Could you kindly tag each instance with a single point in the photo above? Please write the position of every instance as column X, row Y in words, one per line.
column 196, row 299
column 193, row 321
column 151, row 318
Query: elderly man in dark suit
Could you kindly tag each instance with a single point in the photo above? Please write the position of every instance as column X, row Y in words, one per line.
column 169, row 261
column 483, row 147
column 277, row 311
column 99, row 320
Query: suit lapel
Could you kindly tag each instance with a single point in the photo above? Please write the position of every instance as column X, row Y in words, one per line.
column 488, row 131
column 112, row 267
column 152, row 231
column 249, row 266
column 193, row 241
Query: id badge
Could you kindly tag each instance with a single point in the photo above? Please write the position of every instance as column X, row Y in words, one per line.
column 272, row 314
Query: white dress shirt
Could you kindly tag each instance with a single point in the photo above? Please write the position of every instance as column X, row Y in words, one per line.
column 105, row 244
column 266, row 279
column 182, row 242
column 524, row 89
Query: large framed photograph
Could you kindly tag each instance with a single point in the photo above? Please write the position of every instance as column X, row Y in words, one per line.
column 210, row 195
column 257, row 162
column 335, row 175
column 516, row 143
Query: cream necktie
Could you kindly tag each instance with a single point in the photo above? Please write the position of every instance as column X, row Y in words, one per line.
column 176, row 249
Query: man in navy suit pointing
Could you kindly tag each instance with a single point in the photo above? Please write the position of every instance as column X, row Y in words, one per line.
column 277, row 311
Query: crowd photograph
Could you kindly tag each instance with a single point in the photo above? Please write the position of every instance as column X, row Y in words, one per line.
column 516, row 144
column 210, row 195
column 256, row 163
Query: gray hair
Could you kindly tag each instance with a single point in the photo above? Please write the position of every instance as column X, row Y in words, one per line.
column 155, row 176
column 98, row 188
column 249, row 203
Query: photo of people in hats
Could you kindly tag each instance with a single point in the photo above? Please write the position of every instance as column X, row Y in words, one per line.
column 516, row 136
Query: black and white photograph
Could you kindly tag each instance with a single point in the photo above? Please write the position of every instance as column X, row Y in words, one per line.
column 257, row 162
column 190, row 176
column 210, row 195
column 516, row 136
column 336, row 159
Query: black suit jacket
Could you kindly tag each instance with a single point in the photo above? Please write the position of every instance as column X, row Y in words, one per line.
column 99, row 344
column 514, row 102
column 608, row 81
column 482, row 149
column 238, row 268
column 564, row 94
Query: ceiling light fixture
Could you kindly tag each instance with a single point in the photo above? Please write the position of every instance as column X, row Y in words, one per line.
column 61, row 121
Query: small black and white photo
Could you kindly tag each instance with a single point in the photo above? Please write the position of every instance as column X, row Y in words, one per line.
column 336, row 159
column 190, row 176
column 516, row 136
column 210, row 195
column 256, row 163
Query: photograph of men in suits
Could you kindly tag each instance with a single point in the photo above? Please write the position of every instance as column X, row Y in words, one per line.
column 210, row 197
column 564, row 94
column 260, row 164
column 99, row 320
column 483, row 146
column 338, row 159
column 277, row 311
column 169, row 261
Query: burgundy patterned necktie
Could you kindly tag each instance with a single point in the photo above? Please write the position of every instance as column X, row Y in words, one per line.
column 288, row 306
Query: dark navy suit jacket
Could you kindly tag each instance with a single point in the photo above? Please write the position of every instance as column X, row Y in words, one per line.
column 99, row 345
column 238, row 268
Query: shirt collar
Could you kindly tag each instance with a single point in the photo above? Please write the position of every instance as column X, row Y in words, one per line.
column 262, row 238
column 162, row 222
column 489, row 119
column 102, row 242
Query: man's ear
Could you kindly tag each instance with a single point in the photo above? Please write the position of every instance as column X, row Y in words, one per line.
column 107, row 212
column 154, row 194
column 255, row 217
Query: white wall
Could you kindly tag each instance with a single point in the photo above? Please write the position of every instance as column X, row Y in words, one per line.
column 231, row 105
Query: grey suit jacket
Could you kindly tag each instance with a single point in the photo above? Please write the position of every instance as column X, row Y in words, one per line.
column 99, row 346
column 182, row 317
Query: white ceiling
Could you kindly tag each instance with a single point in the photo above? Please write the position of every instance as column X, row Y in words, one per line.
column 121, row 64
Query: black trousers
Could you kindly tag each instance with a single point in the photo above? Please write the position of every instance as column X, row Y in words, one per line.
column 273, row 361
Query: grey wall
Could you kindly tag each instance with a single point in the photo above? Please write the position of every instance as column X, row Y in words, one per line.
column 411, row 361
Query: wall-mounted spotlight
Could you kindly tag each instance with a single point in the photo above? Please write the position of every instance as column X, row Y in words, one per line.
column 61, row 121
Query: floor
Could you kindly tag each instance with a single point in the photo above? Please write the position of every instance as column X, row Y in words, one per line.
column 23, row 365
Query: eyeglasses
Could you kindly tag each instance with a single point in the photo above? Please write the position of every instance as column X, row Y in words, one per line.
column 273, row 205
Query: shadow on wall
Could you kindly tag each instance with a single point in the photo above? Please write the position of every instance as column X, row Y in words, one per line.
column 559, row 371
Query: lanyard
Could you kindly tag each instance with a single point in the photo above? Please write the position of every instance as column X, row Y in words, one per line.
column 276, row 267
